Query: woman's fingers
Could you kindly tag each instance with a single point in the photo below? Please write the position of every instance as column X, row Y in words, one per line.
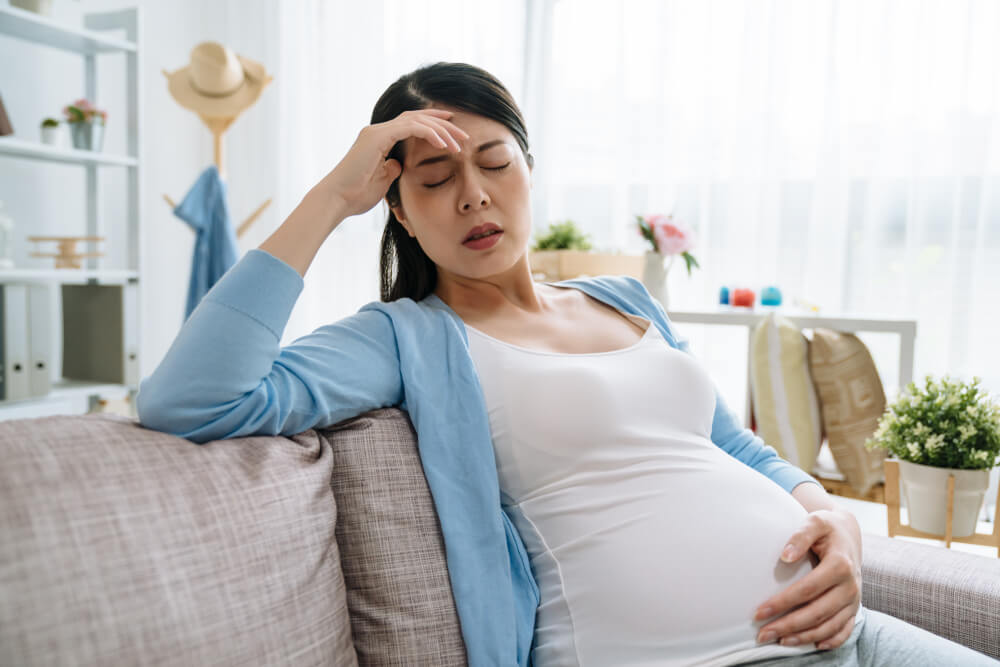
column 436, row 129
column 831, row 633
column 804, row 618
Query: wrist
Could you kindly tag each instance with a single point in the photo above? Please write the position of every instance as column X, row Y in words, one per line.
column 328, row 206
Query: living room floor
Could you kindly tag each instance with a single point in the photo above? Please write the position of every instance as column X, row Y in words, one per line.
column 874, row 520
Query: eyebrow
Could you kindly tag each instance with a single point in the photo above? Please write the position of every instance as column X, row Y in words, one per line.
column 446, row 156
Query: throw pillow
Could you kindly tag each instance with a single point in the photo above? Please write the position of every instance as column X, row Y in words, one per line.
column 392, row 551
column 852, row 399
column 784, row 401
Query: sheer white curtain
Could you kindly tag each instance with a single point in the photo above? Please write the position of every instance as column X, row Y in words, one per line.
column 846, row 151
column 336, row 58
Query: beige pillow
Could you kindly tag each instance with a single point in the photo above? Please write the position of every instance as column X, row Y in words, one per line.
column 124, row 546
column 392, row 551
column 784, row 401
column 852, row 401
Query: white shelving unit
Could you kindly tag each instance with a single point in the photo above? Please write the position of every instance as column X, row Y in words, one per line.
column 906, row 329
column 74, row 396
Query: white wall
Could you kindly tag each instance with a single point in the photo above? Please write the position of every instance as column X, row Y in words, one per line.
column 176, row 146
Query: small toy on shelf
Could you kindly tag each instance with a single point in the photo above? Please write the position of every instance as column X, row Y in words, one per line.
column 770, row 296
column 67, row 257
column 743, row 297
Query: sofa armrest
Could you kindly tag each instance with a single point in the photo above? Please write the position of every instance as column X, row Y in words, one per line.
column 953, row 594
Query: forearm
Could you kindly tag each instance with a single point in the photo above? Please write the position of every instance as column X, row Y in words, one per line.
column 300, row 236
column 813, row 497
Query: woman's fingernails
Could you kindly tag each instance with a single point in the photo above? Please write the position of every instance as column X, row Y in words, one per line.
column 788, row 553
column 790, row 641
column 765, row 637
column 764, row 613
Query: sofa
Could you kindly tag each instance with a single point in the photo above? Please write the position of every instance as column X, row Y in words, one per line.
column 124, row 546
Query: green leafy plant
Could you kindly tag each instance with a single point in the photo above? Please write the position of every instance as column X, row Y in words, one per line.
column 946, row 424
column 562, row 236
column 50, row 122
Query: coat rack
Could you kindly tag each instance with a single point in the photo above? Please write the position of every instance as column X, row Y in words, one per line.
column 218, row 127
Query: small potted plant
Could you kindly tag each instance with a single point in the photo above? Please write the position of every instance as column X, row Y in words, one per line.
column 564, row 252
column 50, row 131
column 668, row 238
column 86, row 124
column 946, row 427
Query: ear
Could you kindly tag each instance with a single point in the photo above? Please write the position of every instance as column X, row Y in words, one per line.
column 398, row 212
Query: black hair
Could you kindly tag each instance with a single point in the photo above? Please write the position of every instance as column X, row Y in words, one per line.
column 405, row 270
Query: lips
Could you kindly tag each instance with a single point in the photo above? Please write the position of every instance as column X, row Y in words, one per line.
column 481, row 229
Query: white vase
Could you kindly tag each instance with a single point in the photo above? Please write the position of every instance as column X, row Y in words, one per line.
column 654, row 277
column 925, row 489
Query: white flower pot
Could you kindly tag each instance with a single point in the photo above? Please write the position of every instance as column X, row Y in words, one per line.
column 52, row 136
column 925, row 489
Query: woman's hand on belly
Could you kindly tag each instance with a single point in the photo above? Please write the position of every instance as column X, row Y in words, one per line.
column 830, row 595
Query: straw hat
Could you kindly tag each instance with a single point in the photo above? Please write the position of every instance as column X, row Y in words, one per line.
column 217, row 83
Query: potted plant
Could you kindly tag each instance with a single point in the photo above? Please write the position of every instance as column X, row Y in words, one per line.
column 86, row 124
column 668, row 238
column 563, row 252
column 947, row 427
column 50, row 131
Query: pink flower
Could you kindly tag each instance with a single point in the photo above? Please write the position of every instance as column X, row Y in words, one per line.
column 672, row 238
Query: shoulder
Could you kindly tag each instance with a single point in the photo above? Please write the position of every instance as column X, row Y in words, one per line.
column 624, row 288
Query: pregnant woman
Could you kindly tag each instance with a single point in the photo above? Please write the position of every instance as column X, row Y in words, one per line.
column 600, row 504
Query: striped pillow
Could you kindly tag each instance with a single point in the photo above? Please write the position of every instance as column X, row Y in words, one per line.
column 784, row 401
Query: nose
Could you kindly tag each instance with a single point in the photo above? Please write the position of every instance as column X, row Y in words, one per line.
column 473, row 195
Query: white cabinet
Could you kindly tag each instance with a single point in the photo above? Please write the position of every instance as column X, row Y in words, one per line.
column 91, row 345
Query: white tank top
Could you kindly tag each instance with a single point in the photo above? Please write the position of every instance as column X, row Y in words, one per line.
column 649, row 543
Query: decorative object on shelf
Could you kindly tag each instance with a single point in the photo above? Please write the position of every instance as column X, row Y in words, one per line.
column 43, row 7
column 86, row 125
column 564, row 252
column 67, row 257
column 946, row 436
column 5, row 127
column 562, row 236
column 51, row 132
column 218, row 84
column 723, row 296
column 770, row 296
column 6, row 240
column 743, row 297
column 669, row 238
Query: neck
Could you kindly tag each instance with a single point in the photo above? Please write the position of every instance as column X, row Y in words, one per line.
column 488, row 295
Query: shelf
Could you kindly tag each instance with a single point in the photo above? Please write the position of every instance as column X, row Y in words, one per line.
column 38, row 151
column 72, row 389
column 69, row 276
column 32, row 27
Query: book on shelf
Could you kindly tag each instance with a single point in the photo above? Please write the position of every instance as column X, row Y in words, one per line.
column 100, row 337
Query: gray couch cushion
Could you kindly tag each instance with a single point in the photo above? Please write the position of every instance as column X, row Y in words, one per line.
column 398, row 591
column 124, row 546
column 950, row 593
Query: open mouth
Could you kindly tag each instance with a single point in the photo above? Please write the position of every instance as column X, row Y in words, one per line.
column 476, row 237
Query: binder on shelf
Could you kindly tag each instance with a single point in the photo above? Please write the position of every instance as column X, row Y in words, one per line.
column 100, row 336
column 40, row 339
column 15, row 342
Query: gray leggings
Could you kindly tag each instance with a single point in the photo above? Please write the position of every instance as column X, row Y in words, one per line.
column 879, row 639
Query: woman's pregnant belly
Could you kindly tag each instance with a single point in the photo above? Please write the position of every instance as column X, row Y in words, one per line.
column 660, row 562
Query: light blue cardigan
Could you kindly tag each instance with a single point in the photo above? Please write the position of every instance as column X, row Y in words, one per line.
column 226, row 376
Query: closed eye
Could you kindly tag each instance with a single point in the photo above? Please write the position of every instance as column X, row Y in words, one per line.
column 434, row 185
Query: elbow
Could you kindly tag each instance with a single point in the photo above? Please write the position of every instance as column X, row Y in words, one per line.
column 159, row 410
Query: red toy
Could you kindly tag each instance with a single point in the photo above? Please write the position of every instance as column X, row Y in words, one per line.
column 743, row 297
